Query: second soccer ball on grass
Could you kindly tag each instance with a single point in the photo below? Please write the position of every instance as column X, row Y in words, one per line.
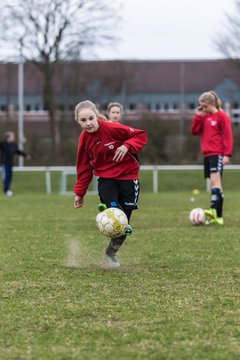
column 197, row 216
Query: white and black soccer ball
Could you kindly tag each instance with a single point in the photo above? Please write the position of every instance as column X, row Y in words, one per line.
column 112, row 222
column 197, row 216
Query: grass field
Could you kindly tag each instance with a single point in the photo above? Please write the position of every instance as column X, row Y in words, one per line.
column 176, row 295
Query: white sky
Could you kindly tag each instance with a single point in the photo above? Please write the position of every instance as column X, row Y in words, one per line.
column 170, row 29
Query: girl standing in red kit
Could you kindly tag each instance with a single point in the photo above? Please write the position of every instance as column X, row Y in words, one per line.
column 214, row 128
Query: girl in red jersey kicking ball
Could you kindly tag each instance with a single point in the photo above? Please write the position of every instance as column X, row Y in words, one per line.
column 214, row 128
column 106, row 149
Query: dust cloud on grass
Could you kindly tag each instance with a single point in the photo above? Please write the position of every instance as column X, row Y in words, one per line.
column 74, row 254
column 79, row 256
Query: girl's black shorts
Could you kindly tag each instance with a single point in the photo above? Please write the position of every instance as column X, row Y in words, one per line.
column 114, row 192
column 213, row 164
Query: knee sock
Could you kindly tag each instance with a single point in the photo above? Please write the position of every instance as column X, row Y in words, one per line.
column 219, row 213
column 217, row 201
column 114, row 245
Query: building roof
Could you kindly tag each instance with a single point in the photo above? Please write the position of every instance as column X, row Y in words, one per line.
column 133, row 76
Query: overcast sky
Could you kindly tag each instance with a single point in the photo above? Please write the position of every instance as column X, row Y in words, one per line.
column 169, row 29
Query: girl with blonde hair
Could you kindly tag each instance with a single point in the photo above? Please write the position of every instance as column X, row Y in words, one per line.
column 115, row 112
column 214, row 128
column 106, row 149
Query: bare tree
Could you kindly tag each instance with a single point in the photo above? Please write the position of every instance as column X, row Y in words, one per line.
column 46, row 32
column 228, row 41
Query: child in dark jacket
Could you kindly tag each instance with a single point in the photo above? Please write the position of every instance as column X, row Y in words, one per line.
column 8, row 149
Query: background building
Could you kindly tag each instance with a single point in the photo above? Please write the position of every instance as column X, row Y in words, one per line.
column 169, row 89
column 159, row 96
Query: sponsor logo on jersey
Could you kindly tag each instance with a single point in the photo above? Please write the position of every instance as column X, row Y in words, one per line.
column 213, row 122
column 110, row 145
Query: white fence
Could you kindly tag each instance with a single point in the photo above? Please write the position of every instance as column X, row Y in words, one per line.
column 71, row 170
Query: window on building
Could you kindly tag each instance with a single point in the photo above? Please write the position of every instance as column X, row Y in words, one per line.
column 175, row 106
column 158, row 106
column 3, row 107
column 149, row 107
column 36, row 107
column 28, row 107
column 131, row 107
column 236, row 105
column 70, row 107
column 192, row 106
column 61, row 107
column 166, row 106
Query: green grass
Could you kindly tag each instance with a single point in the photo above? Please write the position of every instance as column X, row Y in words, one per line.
column 176, row 295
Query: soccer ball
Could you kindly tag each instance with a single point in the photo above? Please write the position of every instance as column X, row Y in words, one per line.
column 197, row 216
column 112, row 222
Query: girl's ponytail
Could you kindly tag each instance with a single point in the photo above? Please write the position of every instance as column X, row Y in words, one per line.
column 102, row 117
column 217, row 101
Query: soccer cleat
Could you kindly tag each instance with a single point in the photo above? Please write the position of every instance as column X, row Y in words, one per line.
column 217, row 221
column 212, row 213
column 101, row 207
column 9, row 193
column 128, row 230
column 112, row 261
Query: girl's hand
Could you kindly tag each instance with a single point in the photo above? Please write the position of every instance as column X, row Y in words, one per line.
column 199, row 110
column 78, row 202
column 120, row 153
column 225, row 160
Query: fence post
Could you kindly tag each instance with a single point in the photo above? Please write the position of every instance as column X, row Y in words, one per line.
column 155, row 180
column 48, row 181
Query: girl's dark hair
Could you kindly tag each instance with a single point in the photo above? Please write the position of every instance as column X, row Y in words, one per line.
column 8, row 134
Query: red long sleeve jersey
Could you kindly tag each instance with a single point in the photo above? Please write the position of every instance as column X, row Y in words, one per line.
column 96, row 151
column 216, row 133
